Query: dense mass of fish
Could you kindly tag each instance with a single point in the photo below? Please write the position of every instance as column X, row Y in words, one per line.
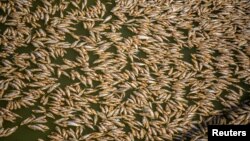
column 134, row 70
